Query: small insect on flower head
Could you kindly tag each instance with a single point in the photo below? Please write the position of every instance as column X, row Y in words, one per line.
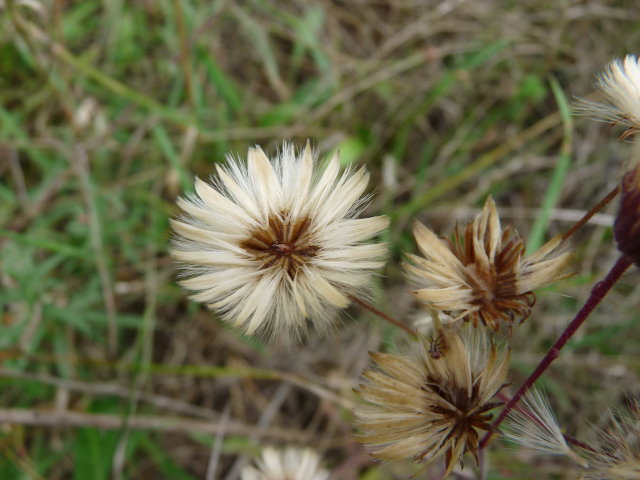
column 620, row 84
column 288, row 464
column 483, row 275
column 433, row 403
column 274, row 245
column 437, row 346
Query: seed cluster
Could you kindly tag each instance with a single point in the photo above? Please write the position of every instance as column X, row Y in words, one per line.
column 283, row 243
column 460, row 412
column 495, row 295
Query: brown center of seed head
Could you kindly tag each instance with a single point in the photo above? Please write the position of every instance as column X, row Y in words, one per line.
column 459, row 412
column 284, row 243
column 495, row 290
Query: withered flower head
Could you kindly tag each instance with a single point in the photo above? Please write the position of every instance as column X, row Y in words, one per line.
column 483, row 275
column 626, row 228
column 620, row 84
column 274, row 245
column 617, row 457
column 434, row 402
column 288, row 464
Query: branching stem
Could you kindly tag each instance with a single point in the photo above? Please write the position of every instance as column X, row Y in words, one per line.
column 598, row 292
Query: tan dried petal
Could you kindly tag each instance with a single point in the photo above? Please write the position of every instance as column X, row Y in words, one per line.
column 482, row 276
column 427, row 405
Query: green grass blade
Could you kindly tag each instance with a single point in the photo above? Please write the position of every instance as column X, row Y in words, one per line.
column 166, row 146
column 536, row 236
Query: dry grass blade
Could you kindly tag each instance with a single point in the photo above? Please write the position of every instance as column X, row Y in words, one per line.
column 44, row 418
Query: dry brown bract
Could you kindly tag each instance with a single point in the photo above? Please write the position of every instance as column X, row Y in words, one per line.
column 426, row 405
column 482, row 276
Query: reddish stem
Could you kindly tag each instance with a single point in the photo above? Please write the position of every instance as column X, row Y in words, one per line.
column 578, row 443
column 587, row 216
column 383, row 315
column 598, row 292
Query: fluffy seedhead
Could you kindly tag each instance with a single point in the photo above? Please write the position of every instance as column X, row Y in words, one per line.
column 482, row 276
column 272, row 246
column 626, row 228
column 617, row 456
column 288, row 464
column 433, row 403
column 620, row 84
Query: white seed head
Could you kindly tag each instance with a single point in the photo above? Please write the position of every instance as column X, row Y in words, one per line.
column 288, row 464
column 620, row 84
column 273, row 245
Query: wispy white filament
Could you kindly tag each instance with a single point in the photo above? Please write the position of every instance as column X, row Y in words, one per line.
column 535, row 426
column 620, row 84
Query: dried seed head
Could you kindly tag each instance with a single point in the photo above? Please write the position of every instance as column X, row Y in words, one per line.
column 425, row 406
column 617, row 456
column 626, row 228
column 482, row 276
column 620, row 84
column 288, row 464
column 274, row 245
column 533, row 424
column 285, row 243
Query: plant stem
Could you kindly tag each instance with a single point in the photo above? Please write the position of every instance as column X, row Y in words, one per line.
column 587, row 216
column 384, row 316
column 578, row 443
column 598, row 292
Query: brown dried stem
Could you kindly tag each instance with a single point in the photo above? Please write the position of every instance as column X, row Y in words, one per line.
column 384, row 316
column 587, row 216
column 66, row 418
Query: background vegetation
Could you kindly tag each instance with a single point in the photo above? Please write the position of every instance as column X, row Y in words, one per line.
column 109, row 108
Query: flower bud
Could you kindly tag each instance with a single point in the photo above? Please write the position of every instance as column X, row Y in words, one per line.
column 626, row 228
